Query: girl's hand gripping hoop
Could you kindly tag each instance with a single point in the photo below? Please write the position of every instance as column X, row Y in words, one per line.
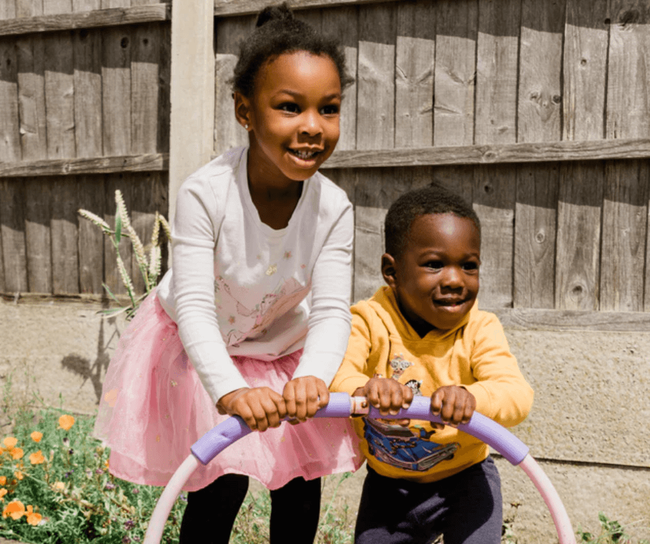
column 342, row 405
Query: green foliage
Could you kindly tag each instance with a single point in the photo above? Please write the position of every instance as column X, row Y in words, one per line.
column 611, row 532
column 149, row 267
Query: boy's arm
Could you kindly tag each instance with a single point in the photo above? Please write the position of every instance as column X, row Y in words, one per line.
column 353, row 372
column 501, row 390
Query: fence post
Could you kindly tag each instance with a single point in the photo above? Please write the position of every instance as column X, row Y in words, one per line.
column 192, row 91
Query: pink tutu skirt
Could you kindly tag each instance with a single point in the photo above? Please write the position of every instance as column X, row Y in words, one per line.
column 154, row 407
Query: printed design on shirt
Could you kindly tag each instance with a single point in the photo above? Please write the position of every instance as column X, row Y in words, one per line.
column 253, row 322
column 408, row 448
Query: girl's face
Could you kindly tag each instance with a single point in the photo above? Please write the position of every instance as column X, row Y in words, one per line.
column 292, row 117
column 436, row 278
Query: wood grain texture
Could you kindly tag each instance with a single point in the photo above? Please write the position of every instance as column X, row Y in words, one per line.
column 535, row 234
column 247, row 7
column 84, row 18
column 585, row 70
column 578, row 236
column 116, row 90
column 59, row 96
column 9, row 121
column 624, row 239
column 494, row 202
column 343, row 24
column 455, row 72
column 87, row 76
column 29, row 8
column 108, row 4
column 414, row 67
column 644, row 179
column 91, row 239
column 55, row 7
column 154, row 162
column 86, row 5
column 38, row 245
column 164, row 83
column 496, row 71
column 628, row 107
column 31, row 97
column 228, row 132
column 555, row 320
column 65, row 235
column 12, row 229
column 540, row 71
column 493, row 154
column 145, row 87
column 8, row 9
column 376, row 84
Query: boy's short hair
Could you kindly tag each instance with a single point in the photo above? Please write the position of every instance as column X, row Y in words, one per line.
column 433, row 199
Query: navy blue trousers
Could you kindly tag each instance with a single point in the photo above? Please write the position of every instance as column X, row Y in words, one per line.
column 465, row 508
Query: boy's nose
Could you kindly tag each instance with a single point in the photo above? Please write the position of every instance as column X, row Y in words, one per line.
column 452, row 278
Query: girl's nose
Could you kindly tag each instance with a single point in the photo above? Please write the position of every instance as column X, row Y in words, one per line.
column 310, row 123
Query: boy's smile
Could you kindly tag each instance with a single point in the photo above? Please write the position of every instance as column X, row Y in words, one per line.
column 293, row 117
column 436, row 277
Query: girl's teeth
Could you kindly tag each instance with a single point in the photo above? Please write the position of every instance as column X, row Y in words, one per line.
column 304, row 154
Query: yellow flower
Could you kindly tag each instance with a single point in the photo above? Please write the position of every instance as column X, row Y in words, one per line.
column 33, row 518
column 17, row 453
column 37, row 458
column 3, row 480
column 10, row 442
column 15, row 509
column 58, row 486
column 36, row 436
column 66, row 422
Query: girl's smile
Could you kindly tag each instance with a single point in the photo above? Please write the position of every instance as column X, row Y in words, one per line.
column 292, row 118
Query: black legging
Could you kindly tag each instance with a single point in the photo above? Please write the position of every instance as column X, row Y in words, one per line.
column 211, row 511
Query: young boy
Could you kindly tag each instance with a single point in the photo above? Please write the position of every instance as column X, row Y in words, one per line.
column 423, row 334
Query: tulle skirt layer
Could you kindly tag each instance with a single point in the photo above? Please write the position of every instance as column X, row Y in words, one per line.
column 154, row 407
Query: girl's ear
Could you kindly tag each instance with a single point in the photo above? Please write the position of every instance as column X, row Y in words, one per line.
column 242, row 110
column 388, row 270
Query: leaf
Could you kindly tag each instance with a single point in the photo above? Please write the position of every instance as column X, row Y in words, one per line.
column 110, row 293
column 118, row 228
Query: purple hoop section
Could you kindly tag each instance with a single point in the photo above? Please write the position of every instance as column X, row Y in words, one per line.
column 481, row 427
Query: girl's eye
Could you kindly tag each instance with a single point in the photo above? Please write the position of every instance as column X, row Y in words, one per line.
column 289, row 107
column 435, row 265
column 332, row 109
column 470, row 266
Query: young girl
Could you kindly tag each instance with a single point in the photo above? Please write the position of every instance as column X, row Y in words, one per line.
column 253, row 319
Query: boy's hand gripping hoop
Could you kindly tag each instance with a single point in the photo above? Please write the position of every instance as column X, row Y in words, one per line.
column 342, row 405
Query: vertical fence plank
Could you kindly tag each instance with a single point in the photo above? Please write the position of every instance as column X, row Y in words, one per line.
column 494, row 202
column 28, row 8
column 92, row 197
column 9, row 120
column 644, row 179
column 625, row 218
column 38, row 245
column 535, row 234
column 54, row 7
column 228, row 132
column 145, row 88
column 585, row 70
column 415, row 56
column 343, row 23
column 578, row 236
column 540, row 71
column 31, row 97
column 116, row 90
column 376, row 85
column 88, row 92
column 628, row 107
column 496, row 71
column 59, row 95
column 7, row 9
column 65, row 235
column 455, row 72
column 86, row 5
column 107, row 4
column 164, row 83
column 12, row 228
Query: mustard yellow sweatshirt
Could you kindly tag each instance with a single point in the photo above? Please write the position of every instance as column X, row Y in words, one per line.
column 474, row 355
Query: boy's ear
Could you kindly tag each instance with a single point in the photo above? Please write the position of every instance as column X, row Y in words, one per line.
column 242, row 110
column 388, row 270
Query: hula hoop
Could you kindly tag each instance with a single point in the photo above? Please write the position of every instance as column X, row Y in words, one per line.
column 342, row 405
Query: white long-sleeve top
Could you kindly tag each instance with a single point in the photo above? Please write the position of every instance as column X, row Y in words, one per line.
column 239, row 287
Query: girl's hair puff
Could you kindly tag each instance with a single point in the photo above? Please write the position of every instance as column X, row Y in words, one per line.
column 278, row 32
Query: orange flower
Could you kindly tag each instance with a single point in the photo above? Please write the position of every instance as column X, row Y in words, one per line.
column 15, row 509
column 3, row 480
column 36, row 436
column 33, row 518
column 58, row 486
column 17, row 453
column 19, row 475
column 3, row 492
column 10, row 442
column 37, row 458
column 66, row 422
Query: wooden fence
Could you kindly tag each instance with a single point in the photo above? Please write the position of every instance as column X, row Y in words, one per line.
column 537, row 111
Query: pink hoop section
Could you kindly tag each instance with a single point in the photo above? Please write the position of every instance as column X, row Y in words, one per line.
column 341, row 405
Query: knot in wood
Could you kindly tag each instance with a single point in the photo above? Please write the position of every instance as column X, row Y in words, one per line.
column 540, row 237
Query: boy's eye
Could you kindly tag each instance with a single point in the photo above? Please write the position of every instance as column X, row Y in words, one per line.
column 331, row 109
column 290, row 107
column 435, row 265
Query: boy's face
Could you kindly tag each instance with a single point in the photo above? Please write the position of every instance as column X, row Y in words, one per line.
column 436, row 278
